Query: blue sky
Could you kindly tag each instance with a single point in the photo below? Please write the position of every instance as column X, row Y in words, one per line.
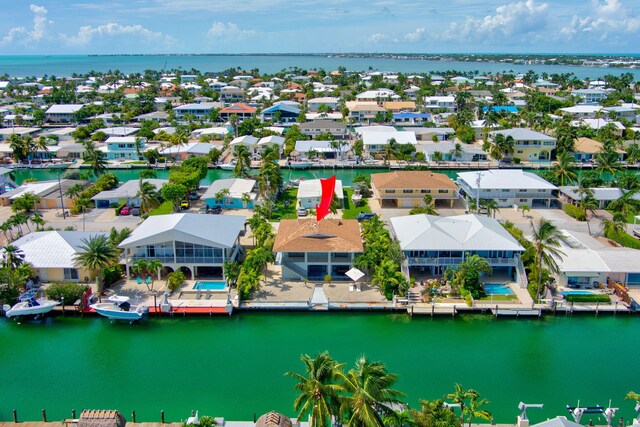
column 245, row 26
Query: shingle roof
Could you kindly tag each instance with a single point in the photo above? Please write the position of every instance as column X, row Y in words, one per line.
column 460, row 233
column 412, row 179
column 328, row 235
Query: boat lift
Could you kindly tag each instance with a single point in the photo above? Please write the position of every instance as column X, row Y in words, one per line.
column 636, row 226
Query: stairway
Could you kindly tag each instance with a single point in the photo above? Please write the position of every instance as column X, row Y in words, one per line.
column 414, row 296
column 295, row 268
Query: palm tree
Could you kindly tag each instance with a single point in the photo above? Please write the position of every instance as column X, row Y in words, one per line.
column 627, row 204
column 148, row 196
column 525, row 209
column 318, row 390
column 615, row 226
column 243, row 161
column 74, row 190
column 367, row 393
column 6, row 227
column 502, row 146
column 492, row 207
column 546, row 243
column 588, row 204
column 563, row 170
column 38, row 220
column 474, row 411
column 13, row 257
column 148, row 174
column 140, row 267
column 460, row 396
column 95, row 159
column 96, row 253
column 154, row 266
column 608, row 162
column 456, row 152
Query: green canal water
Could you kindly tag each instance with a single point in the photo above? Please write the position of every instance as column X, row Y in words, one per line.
column 233, row 367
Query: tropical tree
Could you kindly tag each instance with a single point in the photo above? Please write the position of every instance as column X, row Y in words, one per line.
column 433, row 414
column 95, row 159
column 525, row 209
column 148, row 195
column 243, row 161
column 154, row 266
column 460, row 396
column 148, row 174
column 546, row 243
column 12, row 257
column 318, row 391
column 615, row 226
column 627, row 204
column 588, row 205
column 367, row 394
column 96, row 254
column 608, row 162
column 473, row 409
column 502, row 146
column 564, row 169
column 456, row 152
column 492, row 207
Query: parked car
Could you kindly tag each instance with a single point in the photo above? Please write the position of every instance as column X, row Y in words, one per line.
column 303, row 212
column 184, row 204
column 135, row 211
column 194, row 195
column 126, row 210
column 216, row 210
column 362, row 216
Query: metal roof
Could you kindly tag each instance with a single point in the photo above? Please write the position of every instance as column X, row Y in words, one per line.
column 505, row 179
column 210, row 230
column 53, row 249
column 236, row 186
column 456, row 233
column 312, row 188
column 129, row 189
column 522, row 134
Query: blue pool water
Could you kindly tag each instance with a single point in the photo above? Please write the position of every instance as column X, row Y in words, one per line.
column 217, row 285
column 497, row 289
column 565, row 293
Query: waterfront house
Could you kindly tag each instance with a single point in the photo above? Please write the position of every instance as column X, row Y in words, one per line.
column 281, row 113
column 234, row 193
column 431, row 243
column 60, row 134
column 586, row 149
column 21, row 131
column 52, row 194
column 62, row 113
column 375, row 138
column 310, row 193
column 508, row 187
column 338, row 130
column 198, row 245
column 240, row 110
column 311, row 250
column 51, row 254
column 248, row 141
column 399, row 106
column 123, row 148
column 588, row 262
column 440, row 103
column 201, row 111
column 582, row 111
column 326, row 149
column 407, row 189
column 329, row 102
column 528, row 144
column 128, row 193
column 590, row 96
column 602, row 195
column 470, row 152
column 271, row 141
column 429, row 134
column 377, row 95
column 365, row 112
column 190, row 149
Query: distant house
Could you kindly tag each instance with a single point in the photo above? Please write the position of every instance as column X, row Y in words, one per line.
column 316, row 127
column 365, row 112
column 501, row 109
column 231, row 94
column 432, row 243
column 248, row 141
column 407, row 189
column 311, row 250
column 507, row 187
column 410, row 118
column 327, row 149
column 124, row 148
column 310, row 193
column 201, row 111
column 602, row 195
column 198, row 245
column 582, row 111
column 470, row 152
column 155, row 116
column 330, row 102
column 52, row 194
column 375, row 138
column 399, row 106
column 190, row 149
column 63, row 113
column 590, row 96
column 128, row 192
column 271, row 141
column 586, row 149
column 281, row 113
column 234, row 191
column 528, row 144
column 5, row 133
column 240, row 110
column 52, row 255
column 440, row 103
column 428, row 134
column 377, row 95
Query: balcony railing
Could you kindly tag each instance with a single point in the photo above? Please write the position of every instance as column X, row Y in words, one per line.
column 181, row 260
column 499, row 262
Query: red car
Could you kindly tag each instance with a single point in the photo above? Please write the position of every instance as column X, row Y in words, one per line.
column 125, row 211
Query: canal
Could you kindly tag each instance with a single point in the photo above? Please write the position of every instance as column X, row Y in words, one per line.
column 234, row 367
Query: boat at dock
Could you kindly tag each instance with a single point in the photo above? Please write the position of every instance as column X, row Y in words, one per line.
column 227, row 166
column 300, row 165
column 119, row 308
column 29, row 305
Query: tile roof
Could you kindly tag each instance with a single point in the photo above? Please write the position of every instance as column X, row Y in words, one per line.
column 238, row 108
column 328, row 235
column 412, row 179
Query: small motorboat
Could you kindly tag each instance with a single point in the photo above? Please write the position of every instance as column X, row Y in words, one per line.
column 58, row 165
column 29, row 305
column 227, row 166
column 296, row 182
column 300, row 165
column 119, row 308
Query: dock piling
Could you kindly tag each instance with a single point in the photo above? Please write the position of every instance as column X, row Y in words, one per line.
column 162, row 416
column 133, row 415
column 15, row 416
column 73, row 414
column 44, row 415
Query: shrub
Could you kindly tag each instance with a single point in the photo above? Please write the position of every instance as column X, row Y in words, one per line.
column 516, row 160
column 69, row 292
column 588, row 298
column 175, row 280
column 119, row 207
column 111, row 275
column 8, row 293
column 625, row 239
column 207, row 421
column 575, row 212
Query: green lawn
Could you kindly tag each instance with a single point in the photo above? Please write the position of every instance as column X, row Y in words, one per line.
column 630, row 217
column 499, row 298
column 286, row 205
column 164, row 209
column 350, row 211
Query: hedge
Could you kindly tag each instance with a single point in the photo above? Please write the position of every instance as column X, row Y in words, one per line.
column 625, row 239
column 69, row 291
column 575, row 212
column 588, row 298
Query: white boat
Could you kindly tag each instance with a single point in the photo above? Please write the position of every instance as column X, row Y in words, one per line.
column 227, row 166
column 119, row 308
column 300, row 165
column 59, row 165
column 29, row 305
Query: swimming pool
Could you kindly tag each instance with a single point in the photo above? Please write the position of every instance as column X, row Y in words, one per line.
column 210, row 285
column 565, row 293
column 497, row 289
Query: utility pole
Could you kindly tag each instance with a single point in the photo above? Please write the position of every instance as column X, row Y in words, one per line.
column 478, row 179
column 64, row 216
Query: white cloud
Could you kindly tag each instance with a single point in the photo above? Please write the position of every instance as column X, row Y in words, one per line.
column 377, row 38
column 511, row 21
column 228, row 32
column 86, row 34
column 415, row 36
column 22, row 35
column 609, row 20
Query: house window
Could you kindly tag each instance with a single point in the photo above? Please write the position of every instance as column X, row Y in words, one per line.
column 70, row 274
column 443, row 191
column 389, row 191
column 520, row 151
column 425, row 191
column 407, row 191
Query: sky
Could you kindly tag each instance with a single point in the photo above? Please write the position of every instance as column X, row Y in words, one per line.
column 306, row 26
